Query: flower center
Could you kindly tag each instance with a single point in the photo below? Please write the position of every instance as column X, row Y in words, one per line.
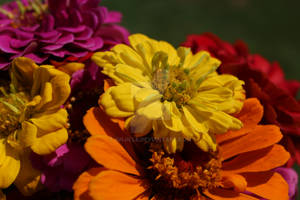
column 12, row 105
column 173, row 82
column 183, row 177
column 26, row 14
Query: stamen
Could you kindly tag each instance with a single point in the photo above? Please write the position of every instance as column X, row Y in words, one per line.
column 6, row 13
column 171, row 173
column 12, row 109
column 21, row 7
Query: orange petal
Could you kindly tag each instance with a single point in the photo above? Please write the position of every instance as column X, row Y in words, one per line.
column 269, row 185
column 250, row 115
column 225, row 194
column 235, row 181
column 259, row 138
column 80, row 187
column 257, row 161
column 111, row 154
column 98, row 123
column 115, row 185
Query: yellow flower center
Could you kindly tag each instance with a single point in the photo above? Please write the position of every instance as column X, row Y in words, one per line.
column 182, row 176
column 173, row 82
column 12, row 105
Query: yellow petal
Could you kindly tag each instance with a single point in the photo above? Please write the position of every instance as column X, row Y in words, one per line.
column 194, row 119
column 49, row 142
column 129, row 57
column 27, row 134
column 70, row 68
column 28, row 180
column 132, row 75
column 46, row 95
column 110, row 105
column 50, row 122
column 171, row 117
column 59, row 83
column 2, row 195
column 146, row 96
column 151, row 111
column 173, row 142
column 22, row 72
column 206, row 142
column 123, row 96
column 159, row 130
column 10, row 166
column 201, row 64
column 220, row 122
column 139, row 125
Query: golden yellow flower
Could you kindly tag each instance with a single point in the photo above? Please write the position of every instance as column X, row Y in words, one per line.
column 31, row 120
column 178, row 95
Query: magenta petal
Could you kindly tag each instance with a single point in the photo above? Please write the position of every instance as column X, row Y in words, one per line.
column 53, row 47
column 113, row 17
column 48, row 35
column 72, row 29
column 76, row 159
column 37, row 58
column 65, row 39
column 5, row 44
column 30, row 28
column 92, row 44
column 15, row 43
column 84, row 35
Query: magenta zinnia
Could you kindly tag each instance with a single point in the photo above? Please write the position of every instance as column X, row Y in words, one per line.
column 56, row 29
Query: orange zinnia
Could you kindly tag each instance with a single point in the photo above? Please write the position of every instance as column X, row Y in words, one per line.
column 241, row 169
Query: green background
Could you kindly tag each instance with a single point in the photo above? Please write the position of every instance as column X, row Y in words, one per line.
column 269, row 27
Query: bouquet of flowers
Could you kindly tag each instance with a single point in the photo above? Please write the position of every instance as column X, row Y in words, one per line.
column 90, row 112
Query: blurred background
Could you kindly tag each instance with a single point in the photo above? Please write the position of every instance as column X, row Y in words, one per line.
column 270, row 27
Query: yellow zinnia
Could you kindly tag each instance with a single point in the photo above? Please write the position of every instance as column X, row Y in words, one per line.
column 31, row 120
column 176, row 94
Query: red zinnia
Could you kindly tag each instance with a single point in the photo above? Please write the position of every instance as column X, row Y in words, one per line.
column 264, row 80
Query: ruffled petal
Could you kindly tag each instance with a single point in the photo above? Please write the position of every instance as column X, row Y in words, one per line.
column 118, row 101
column 49, row 142
column 10, row 166
column 28, row 179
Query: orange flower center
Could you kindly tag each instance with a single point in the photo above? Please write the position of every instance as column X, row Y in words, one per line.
column 179, row 176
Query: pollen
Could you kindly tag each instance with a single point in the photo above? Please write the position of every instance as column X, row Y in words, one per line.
column 172, row 82
column 12, row 105
column 180, row 176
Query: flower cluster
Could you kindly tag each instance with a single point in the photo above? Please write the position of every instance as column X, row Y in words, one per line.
column 90, row 112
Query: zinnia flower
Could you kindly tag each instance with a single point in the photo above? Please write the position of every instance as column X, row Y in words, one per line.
column 31, row 120
column 174, row 93
column 56, row 29
column 241, row 169
column 263, row 80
